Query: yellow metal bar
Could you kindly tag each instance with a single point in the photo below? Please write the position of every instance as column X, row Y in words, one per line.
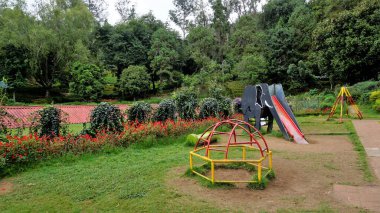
column 341, row 104
column 191, row 161
column 244, row 153
column 238, row 181
column 207, row 178
column 239, row 161
column 270, row 160
column 200, row 156
column 259, row 172
column 212, row 172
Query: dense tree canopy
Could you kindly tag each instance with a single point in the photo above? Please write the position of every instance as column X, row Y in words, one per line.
column 301, row 44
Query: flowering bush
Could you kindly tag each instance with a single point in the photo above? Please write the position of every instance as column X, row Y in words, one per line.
column 166, row 110
column 139, row 112
column 49, row 121
column 106, row 117
column 32, row 148
column 209, row 108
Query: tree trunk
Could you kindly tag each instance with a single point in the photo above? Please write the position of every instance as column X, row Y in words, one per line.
column 47, row 93
column 14, row 95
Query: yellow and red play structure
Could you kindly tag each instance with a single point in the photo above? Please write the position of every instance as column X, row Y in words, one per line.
column 245, row 144
column 340, row 101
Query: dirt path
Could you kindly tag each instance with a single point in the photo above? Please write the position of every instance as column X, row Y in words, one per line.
column 364, row 196
column 305, row 176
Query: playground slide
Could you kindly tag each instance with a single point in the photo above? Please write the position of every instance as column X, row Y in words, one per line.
column 288, row 122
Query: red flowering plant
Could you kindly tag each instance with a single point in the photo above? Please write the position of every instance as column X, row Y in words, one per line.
column 33, row 147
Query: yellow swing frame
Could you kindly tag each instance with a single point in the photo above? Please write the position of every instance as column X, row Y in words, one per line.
column 340, row 100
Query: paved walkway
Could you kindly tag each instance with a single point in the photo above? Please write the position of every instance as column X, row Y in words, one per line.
column 367, row 197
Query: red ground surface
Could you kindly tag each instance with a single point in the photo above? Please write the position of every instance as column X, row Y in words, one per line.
column 76, row 114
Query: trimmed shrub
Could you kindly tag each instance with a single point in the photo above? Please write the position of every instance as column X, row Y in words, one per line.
column 209, row 108
column 139, row 112
column 106, row 117
column 166, row 110
column 225, row 107
column 49, row 122
column 87, row 81
column 134, row 81
column 186, row 103
column 327, row 101
column 237, row 105
column 376, row 106
column 360, row 91
column 374, row 96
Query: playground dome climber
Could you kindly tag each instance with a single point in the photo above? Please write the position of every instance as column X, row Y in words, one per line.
column 244, row 145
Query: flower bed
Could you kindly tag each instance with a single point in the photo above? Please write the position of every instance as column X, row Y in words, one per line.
column 32, row 148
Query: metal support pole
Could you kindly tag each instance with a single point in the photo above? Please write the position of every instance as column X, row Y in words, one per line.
column 244, row 153
column 212, row 172
column 191, row 161
column 259, row 172
column 270, row 160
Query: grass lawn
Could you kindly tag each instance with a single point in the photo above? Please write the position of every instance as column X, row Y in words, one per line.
column 130, row 180
column 134, row 179
column 73, row 129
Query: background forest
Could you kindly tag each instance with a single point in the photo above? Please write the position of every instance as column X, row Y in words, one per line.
column 65, row 50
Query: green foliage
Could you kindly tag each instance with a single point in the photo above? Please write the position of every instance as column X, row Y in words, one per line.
column 201, row 44
column 276, row 10
column 186, row 103
column 134, row 81
column 251, row 69
column 376, row 106
column 49, row 122
column 361, row 91
column 375, row 95
column 87, row 81
column 347, row 44
column 164, row 54
column 236, row 88
column 225, row 107
column 166, row 110
column 106, row 117
column 139, row 112
column 209, row 108
column 327, row 101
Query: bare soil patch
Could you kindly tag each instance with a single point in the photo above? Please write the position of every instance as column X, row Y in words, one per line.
column 305, row 178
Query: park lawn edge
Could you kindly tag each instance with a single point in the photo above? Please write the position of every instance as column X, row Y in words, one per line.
column 359, row 148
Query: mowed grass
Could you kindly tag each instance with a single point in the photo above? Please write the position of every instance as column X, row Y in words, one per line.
column 72, row 128
column 132, row 179
column 124, row 180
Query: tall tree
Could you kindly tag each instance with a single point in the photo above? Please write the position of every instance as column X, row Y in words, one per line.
column 50, row 39
column 347, row 45
column 202, row 45
column 200, row 13
column 164, row 54
column 246, row 7
column 275, row 10
column 126, row 10
column 181, row 14
column 221, row 26
column 97, row 8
